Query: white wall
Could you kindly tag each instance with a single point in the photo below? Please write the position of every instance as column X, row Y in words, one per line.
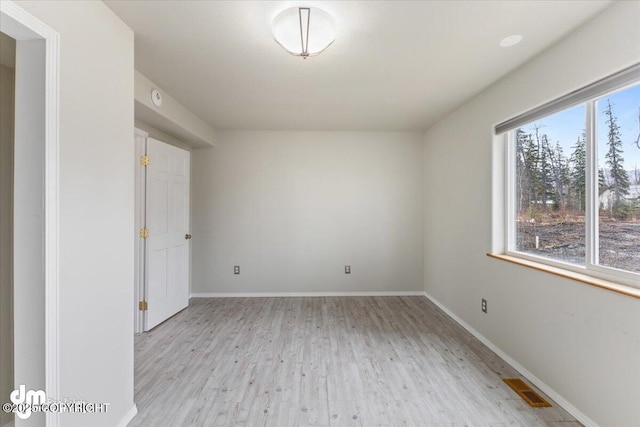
column 171, row 117
column 293, row 208
column 581, row 341
column 162, row 136
column 96, row 206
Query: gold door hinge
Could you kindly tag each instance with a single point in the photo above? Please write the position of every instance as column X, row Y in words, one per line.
column 143, row 306
column 144, row 233
column 145, row 160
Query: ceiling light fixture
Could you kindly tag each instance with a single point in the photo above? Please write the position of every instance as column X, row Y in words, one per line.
column 304, row 31
column 511, row 40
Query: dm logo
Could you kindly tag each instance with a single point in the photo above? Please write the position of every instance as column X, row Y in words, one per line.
column 26, row 399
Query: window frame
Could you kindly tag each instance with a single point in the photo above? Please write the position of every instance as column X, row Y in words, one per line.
column 591, row 266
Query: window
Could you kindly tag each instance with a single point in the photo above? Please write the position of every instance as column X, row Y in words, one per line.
column 618, row 151
column 550, row 187
column 573, row 180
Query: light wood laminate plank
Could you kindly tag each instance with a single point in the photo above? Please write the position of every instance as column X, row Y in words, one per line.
column 323, row 361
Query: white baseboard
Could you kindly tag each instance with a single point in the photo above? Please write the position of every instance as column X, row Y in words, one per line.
column 305, row 294
column 128, row 416
column 564, row 403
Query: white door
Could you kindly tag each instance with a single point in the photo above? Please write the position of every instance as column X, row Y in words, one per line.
column 167, row 212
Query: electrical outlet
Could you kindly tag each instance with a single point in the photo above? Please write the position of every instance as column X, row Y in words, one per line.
column 236, row 269
column 347, row 269
column 484, row 305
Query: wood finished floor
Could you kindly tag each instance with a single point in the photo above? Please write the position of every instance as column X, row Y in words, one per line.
column 324, row 361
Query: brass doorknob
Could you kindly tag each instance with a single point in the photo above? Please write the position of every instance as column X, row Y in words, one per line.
column 187, row 236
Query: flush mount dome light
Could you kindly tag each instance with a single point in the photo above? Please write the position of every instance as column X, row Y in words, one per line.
column 304, row 31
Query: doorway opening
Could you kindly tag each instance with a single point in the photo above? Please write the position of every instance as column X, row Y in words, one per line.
column 30, row 208
column 7, row 108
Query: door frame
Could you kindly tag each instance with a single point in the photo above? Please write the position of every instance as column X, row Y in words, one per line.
column 21, row 25
column 140, row 219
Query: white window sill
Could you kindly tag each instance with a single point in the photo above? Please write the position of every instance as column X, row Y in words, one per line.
column 584, row 278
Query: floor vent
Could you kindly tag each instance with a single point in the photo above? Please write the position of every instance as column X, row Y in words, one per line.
column 526, row 392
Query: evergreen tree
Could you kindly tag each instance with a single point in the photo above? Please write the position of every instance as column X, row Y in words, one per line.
column 532, row 165
column 560, row 176
column 578, row 172
column 544, row 183
column 523, row 176
column 602, row 181
column 543, row 172
column 614, row 159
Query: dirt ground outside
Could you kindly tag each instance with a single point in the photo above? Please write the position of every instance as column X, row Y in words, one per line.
column 564, row 239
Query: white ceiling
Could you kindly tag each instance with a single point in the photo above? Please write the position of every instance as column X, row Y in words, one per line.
column 395, row 65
